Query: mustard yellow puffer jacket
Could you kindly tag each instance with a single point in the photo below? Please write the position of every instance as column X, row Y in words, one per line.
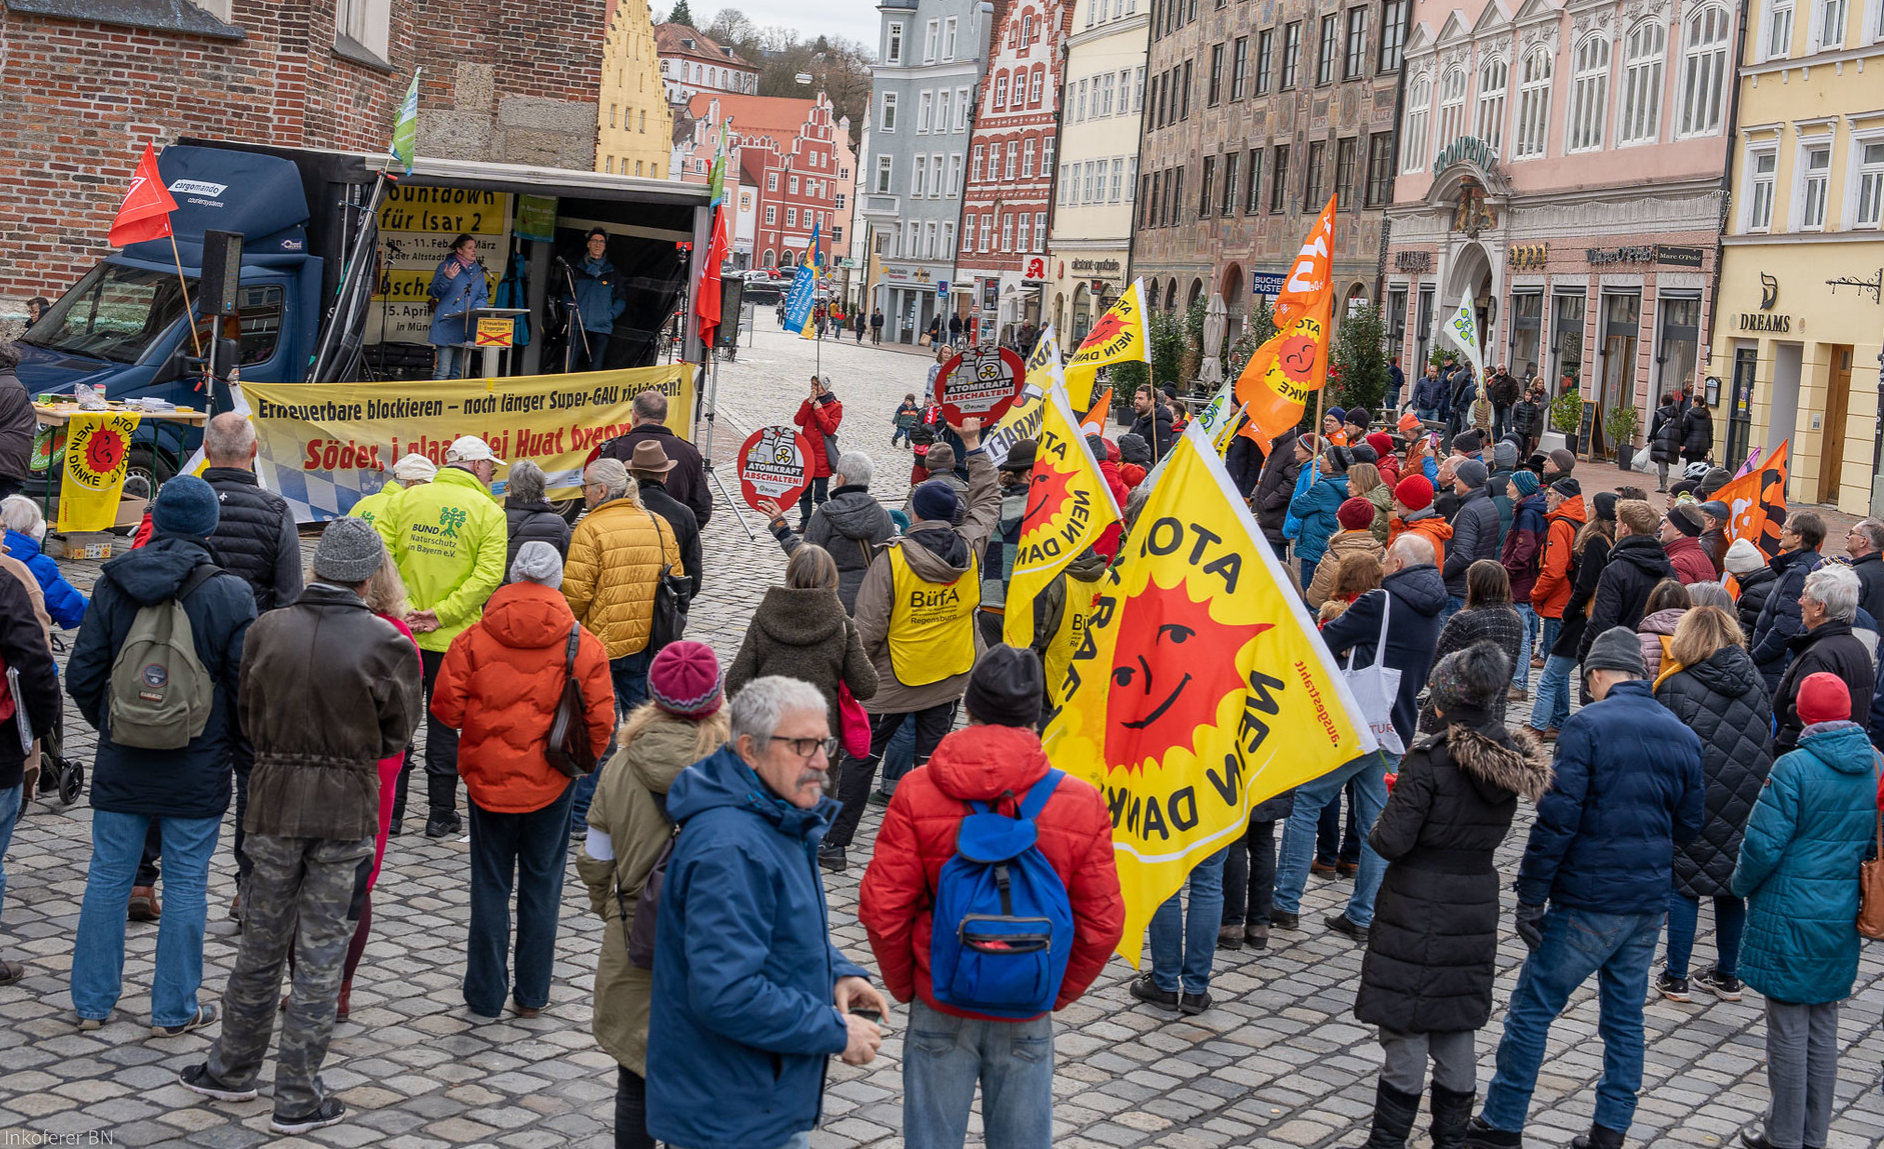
column 615, row 556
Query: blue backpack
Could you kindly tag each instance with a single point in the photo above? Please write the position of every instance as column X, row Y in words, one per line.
column 1003, row 922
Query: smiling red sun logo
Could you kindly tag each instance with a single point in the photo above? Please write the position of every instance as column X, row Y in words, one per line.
column 1172, row 666
column 1297, row 356
column 1103, row 332
column 103, row 450
column 1047, row 492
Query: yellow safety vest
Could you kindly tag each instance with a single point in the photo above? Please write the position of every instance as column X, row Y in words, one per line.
column 1066, row 640
column 932, row 625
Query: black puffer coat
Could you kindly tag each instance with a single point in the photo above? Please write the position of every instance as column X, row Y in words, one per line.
column 1724, row 701
column 1433, row 949
column 1275, row 486
column 1636, row 564
column 535, row 522
column 1755, row 587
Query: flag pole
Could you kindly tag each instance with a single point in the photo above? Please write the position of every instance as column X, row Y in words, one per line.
column 1315, row 463
column 196, row 340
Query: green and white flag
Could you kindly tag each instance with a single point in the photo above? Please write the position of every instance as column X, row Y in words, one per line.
column 1219, row 411
column 1462, row 328
column 405, row 138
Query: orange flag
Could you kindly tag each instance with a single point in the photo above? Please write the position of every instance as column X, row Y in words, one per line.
column 1274, row 387
column 1753, row 496
column 1094, row 422
column 145, row 213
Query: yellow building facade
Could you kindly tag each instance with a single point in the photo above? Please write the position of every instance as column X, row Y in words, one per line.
column 635, row 135
column 1798, row 349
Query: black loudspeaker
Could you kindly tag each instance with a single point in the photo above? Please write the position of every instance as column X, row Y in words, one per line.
column 222, row 272
column 732, row 293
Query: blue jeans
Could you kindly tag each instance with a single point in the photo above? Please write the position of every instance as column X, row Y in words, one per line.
column 9, row 817
column 1369, row 773
column 1527, row 620
column 1578, row 943
column 1184, row 944
column 1454, row 604
column 945, row 1056
column 629, row 673
column 795, row 1141
column 1684, row 918
column 526, row 852
column 1429, row 414
column 98, row 952
column 1550, row 709
column 451, row 362
column 899, row 757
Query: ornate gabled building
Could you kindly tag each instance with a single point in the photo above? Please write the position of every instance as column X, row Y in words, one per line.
column 1560, row 166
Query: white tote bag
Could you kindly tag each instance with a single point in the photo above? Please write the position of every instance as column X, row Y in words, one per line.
column 1376, row 687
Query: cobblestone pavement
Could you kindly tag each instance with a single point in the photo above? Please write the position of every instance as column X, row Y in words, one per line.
column 1278, row 1061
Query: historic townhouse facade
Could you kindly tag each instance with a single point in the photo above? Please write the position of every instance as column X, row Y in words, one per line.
column 1090, row 227
column 1801, row 312
column 788, row 169
column 634, row 124
column 1255, row 112
column 1002, row 260
column 929, row 60
column 1561, row 167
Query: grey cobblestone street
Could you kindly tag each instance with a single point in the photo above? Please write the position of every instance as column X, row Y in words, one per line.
column 1278, row 1061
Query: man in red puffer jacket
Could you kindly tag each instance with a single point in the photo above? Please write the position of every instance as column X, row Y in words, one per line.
column 996, row 760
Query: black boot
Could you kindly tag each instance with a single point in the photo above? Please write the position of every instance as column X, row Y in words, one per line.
column 1394, row 1113
column 1599, row 1137
column 1479, row 1135
column 1451, row 1112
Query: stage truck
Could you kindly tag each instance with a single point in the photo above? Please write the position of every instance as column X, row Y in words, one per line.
column 335, row 262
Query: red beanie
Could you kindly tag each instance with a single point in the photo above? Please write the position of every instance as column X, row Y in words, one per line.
column 1356, row 514
column 1823, row 697
column 1415, row 492
column 1382, row 445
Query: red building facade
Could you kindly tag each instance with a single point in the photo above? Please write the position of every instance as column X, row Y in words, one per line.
column 796, row 160
column 1002, row 263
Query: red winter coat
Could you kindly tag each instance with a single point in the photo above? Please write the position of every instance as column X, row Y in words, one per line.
column 1690, row 562
column 816, row 423
column 1108, row 544
column 918, row 837
column 1389, row 468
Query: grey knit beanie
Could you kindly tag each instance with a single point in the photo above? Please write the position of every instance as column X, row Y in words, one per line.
column 349, row 552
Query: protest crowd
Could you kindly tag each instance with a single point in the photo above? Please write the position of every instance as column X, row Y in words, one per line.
column 1720, row 755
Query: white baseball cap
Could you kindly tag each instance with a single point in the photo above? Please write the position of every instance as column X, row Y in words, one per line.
column 414, row 468
column 471, row 449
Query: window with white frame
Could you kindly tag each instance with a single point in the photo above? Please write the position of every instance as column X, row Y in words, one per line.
column 942, row 121
column 974, row 166
column 883, row 173
column 893, row 49
column 1118, row 181
column 1040, row 231
column 1027, row 160
column 948, row 54
column 1079, row 101
column 1533, row 105
column 1026, row 232
column 1829, row 18
column 1046, row 154
column 1813, row 187
column 887, row 121
column 1013, row 158
column 1589, row 95
column 791, row 217
column 955, row 175
column 1776, row 30
column 1705, row 35
column 1419, row 100
column 1451, row 105
column 1643, row 53
column 925, row 112
column 921, row 177
column 987, row 226
column 1762, row 168
column 1007, row 231
column 771, row 181
column 1493, row 77
column 771, row 215
column 368, row 23
column 928, row 240
column 1867, row 201
column 1000, row 90
column 948, row 236
column 931, row 32
column 1040, row 78
column 1086, row 194
column 1138, row 87
column 961, row 109
column 1105, row 94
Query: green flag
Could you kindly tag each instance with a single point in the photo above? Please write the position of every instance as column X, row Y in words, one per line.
column 405, row 137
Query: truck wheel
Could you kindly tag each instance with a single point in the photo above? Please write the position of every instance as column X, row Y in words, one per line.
column 153, row 466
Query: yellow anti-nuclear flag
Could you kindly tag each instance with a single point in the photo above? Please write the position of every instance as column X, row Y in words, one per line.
column 1202, row 687
column 97, row 455
column 1068, row 507
column 1118, row 337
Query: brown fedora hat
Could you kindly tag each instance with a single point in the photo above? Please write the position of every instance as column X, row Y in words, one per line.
column 650, row 458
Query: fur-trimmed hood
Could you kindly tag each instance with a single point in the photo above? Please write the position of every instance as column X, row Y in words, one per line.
column 1511, row 763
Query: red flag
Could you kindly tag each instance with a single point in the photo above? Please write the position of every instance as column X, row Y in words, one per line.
column 145, row 213
column 707, row 302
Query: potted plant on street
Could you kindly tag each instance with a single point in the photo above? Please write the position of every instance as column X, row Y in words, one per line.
column 1619, row 423
column 1566, row 417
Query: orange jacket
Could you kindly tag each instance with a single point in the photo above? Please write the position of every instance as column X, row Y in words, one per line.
column 1436, row 530
column 499, row 685
column 1552, row 589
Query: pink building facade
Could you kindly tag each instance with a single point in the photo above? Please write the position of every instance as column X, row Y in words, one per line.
column 1560, row 164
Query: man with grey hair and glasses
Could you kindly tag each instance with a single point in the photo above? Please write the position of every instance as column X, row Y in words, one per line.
column 1827, row 607
column 1864, row 548
column 750, row 994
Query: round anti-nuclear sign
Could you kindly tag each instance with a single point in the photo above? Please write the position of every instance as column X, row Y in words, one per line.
column 775, row 464
column 981, row 382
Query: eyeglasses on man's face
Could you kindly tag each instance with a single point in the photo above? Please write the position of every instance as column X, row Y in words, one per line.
column 807, row 747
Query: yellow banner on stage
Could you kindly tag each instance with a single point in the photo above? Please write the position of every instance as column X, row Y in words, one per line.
column 324, row 446
column 1068, row 507
column 1201, row 688
column 97, row 452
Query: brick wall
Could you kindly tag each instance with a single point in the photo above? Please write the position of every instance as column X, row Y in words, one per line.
column 504, row 80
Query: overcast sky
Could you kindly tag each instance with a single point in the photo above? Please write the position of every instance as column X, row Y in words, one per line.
column 851, row 19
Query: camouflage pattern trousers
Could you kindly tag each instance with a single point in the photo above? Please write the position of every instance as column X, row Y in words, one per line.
column 315, row 886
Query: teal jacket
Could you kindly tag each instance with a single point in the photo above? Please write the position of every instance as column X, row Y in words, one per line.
column 1798, row 869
